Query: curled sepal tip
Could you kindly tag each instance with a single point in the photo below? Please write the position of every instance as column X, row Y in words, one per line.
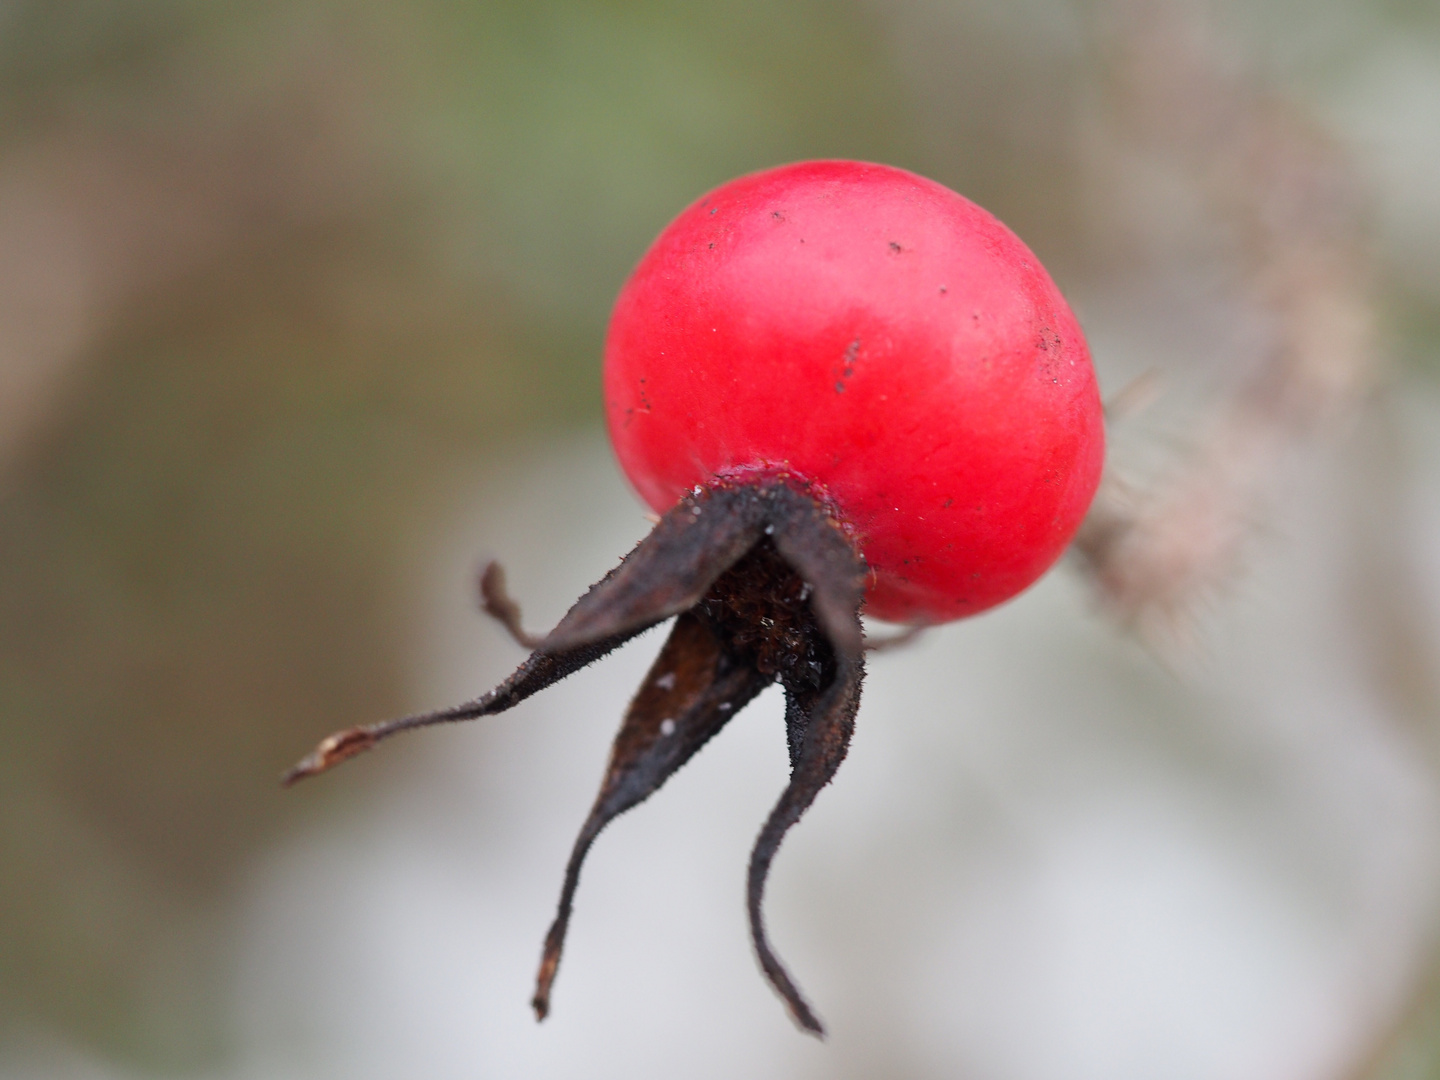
column 332, row 750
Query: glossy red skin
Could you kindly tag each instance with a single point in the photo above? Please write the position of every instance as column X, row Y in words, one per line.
column 886, row 340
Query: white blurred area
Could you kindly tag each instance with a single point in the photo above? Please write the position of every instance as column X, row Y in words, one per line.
column 1045, row 859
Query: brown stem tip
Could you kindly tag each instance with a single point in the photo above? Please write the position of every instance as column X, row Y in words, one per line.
column 332, row 750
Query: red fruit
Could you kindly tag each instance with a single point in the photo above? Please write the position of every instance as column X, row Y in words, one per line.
column 882, row 338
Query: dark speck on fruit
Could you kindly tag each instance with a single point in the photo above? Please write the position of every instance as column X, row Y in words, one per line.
column 894, row 247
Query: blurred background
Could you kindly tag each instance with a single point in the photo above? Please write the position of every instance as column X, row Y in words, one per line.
column 301, row 311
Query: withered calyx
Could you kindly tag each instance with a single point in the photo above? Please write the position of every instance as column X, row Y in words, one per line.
column 765, row 587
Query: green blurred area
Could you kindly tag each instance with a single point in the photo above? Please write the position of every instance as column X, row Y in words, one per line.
column 203, row 546
column 338, row 253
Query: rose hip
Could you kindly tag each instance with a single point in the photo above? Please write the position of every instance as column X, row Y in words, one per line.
column 843, row 386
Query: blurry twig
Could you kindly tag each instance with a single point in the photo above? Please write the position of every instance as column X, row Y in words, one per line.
column 1157, row 552
column 1291, row 199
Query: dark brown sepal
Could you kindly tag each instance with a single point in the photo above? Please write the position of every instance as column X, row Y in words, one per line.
column 822, row 681
column 810, row 541
column 692, row 689
column 670, row 570
column 662, row 576
column 819, row 739
column 542, row 669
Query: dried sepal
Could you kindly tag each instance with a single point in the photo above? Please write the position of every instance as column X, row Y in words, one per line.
column 692, row 689
column 663, row 575
column 670, row 570
column 819, row 735
column 542, row 669
column 767, row 588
